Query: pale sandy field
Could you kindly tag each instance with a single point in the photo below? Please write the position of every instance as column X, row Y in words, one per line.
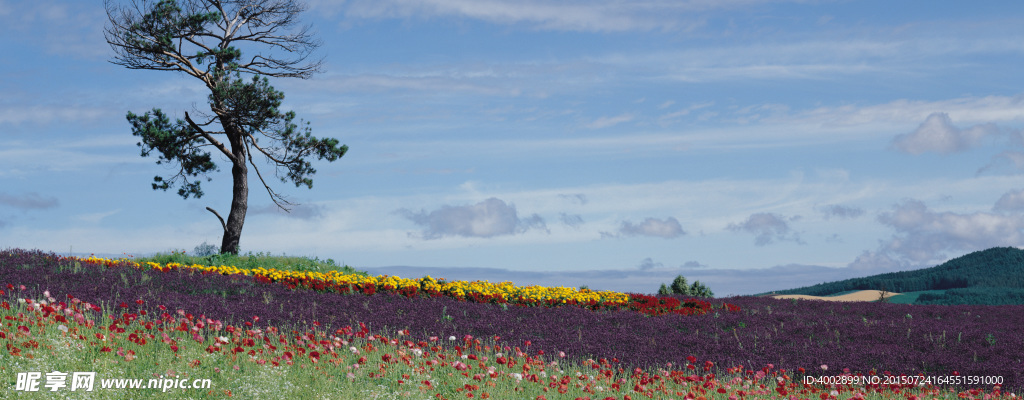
column 863, row 295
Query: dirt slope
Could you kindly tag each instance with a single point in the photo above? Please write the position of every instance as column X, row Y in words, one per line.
column 863, row 295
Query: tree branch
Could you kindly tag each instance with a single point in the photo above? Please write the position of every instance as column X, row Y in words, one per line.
column 265, row 153
column 222, row 224
column 210, row 138
column 273, row 196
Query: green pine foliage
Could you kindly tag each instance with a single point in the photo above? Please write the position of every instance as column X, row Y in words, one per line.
column 680, row 286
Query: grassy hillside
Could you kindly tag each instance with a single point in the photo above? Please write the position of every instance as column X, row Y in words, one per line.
column 992, row 276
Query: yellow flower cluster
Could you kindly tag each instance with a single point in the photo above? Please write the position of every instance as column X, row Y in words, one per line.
column 540, row 295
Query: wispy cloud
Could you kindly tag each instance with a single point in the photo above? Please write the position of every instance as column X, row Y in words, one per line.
column 587, row 16
column 94, row 218
column 299, row 211
column 80, row 33
column 767, row 228
column 443, row 80
column 605, row 122
column 43, row 114
column 841, row 211
column 489, row 218
column 672, row 116
column 573, row 221
column 578, row 198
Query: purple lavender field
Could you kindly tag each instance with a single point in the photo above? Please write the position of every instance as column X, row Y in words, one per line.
column 789, row 334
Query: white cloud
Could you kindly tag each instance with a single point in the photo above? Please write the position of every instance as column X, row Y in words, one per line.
column 693, row 264
column 937, row 134
column 924, row 235
column 668, row 228
column 489, row 218
column 1013, row 157
column 648, row 263
column 879, row 261
column 1010, row 201
column 767, row 228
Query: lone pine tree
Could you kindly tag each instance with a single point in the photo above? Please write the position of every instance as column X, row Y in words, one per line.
column 200, row 38
column 679, row 286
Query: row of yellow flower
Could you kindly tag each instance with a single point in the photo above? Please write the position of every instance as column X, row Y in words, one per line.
column 458, row 289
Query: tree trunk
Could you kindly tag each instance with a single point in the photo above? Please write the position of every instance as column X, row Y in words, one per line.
column 239, row 194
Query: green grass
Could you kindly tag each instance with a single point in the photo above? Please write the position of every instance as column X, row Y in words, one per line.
column 911, row 297
column 841, row 293
column 253, row 260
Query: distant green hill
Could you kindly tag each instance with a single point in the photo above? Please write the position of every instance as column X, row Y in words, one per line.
column 993, row 276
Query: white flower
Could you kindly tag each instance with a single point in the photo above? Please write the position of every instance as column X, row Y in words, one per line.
column 62, row 328
column 519, row 376
column 354, row 350
column 465, row 357
column 452, row 338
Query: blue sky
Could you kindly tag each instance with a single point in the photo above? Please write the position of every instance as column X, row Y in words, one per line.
column 753, row 145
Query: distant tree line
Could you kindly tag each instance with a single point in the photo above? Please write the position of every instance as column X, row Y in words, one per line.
column 982, row 271
column 679, row 286
column 993, row 296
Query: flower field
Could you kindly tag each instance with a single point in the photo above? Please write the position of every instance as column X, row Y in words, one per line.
column 266, row 333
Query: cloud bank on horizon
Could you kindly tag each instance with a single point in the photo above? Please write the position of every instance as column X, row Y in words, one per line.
column 749, row 144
